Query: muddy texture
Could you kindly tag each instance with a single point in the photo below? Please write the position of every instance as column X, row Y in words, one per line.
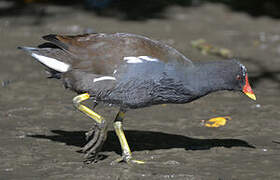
column 41, row 133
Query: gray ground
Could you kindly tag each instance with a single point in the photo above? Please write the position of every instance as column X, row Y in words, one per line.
column 41, row 132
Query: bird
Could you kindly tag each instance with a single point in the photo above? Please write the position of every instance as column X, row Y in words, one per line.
column 130, row 71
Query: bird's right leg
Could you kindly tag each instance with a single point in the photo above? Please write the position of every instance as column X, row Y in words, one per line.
column 98, row 134
column 126, row 153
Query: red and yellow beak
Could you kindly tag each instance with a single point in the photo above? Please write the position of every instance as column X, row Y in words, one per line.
column 248, row 90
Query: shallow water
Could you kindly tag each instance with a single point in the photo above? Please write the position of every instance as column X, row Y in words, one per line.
column 41, row 132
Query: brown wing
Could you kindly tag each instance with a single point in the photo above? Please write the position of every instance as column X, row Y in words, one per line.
column 102, row 53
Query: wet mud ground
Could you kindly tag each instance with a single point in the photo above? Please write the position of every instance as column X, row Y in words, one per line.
column 41, row 132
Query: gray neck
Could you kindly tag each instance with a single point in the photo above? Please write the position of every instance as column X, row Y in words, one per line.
column 209, row 77
column 185, row 84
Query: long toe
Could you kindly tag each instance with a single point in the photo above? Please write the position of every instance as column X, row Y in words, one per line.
column 128, row 160
column 97, row 138
column 97, row 144
column 92, row 141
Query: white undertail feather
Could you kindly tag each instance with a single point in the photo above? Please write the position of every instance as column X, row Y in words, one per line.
column 104, row 78
column 52, row 63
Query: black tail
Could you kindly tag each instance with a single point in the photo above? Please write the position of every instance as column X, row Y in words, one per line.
column 53, row 38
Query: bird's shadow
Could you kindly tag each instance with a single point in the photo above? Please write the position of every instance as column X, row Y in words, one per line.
column 144, row 140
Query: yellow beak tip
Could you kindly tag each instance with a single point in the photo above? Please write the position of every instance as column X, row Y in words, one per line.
column 252, row 96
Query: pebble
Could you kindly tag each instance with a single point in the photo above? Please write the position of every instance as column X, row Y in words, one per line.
column 258, row 105
column 169, row 176
column 9, row 169
column 172, row 162
column 5, row 83
column 22, row 136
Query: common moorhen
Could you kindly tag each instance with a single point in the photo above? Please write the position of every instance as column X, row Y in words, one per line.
column 131, row 71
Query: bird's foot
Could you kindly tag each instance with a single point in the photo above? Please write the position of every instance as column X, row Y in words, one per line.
column 94, row 158
column 127, row 159
column 217, row 122
column 95, row 137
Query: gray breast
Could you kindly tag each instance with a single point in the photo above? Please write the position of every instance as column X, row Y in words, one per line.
column 147, row 83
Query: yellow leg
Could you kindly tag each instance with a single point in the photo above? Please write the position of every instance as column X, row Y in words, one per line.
column 126, row 153
column 82, row 97
column 97, row 135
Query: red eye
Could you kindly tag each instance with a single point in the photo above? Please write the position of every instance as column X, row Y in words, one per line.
column 238, row 77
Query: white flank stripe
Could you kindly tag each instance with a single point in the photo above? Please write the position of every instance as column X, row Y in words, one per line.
column 139, row 59
column 104, row 78
column 52, row 63
column 132, row 59
column 147, row 58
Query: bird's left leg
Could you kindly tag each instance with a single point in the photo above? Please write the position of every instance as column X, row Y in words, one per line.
column 97, row 135
column 126, row 153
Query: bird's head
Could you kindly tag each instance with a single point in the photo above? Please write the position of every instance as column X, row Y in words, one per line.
column 242, row 82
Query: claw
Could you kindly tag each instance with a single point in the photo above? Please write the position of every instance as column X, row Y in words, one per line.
column 217, row 122
column 137, row 161
column 93, row 158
